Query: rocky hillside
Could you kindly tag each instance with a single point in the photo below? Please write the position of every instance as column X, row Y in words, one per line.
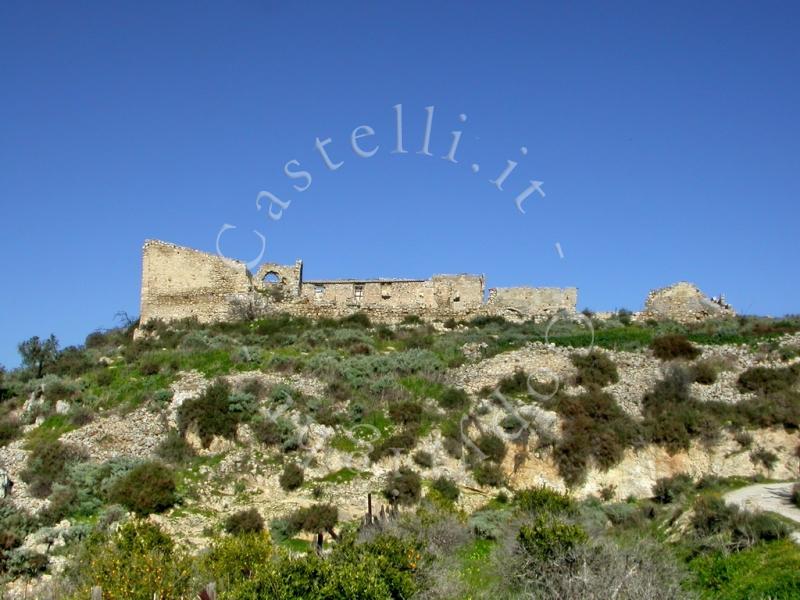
column 195, row 426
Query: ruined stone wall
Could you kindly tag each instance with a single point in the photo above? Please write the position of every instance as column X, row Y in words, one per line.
column 179, row 283
column 528, row 302
column 458, row 293
column 286, row 278
column 398, row 293
column 685, row 303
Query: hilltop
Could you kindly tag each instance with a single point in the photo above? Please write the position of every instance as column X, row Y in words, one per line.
column 477, row 443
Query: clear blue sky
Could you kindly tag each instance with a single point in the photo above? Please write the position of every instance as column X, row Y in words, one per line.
column 666, row 134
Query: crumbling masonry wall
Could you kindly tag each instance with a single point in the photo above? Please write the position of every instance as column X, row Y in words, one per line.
column 683, row 302
column 179, row 282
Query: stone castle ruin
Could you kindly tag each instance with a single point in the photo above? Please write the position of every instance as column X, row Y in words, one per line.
column 179, row 283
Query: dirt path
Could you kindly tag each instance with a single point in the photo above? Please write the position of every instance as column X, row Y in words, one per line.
column 773, row 497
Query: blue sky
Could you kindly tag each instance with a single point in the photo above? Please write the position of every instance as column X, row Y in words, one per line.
column 666, row 136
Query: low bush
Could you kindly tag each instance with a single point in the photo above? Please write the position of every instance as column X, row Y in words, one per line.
column 423, row 459
column 488, row 474
column 47, row 465
column 446, row 488
column 397, row 443
column 743, row 438
column 244, row 521
column 764, row 457
column 514, row 384
column 453, row 399
column 594, row 428
column 668, row 489
column 736, row 529
column 672, row 418
column 145, row 489
column 411, row 320
column 80, row 416
column 292, row 477
column 492, row 446
column 595, row 369
column 266, row 431
column 795, row 495
column 210, row 413
column 547, row 539
column 674, row 346
column 317, row 518
column 140, row 561
column 406, row 412
column 703, row 372
column 542, row 499
column 9, row 430
column 763, row 380
column 402, row 486
column 175, row 449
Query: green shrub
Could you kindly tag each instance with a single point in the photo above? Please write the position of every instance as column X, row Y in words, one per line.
column 672, row 418
column 488, row 474
column 244, row 521
column 210, row 413
column 668, row 489
column 235, row 559
column 795, row 495
column 453, row 447
column 703, row 372
column 492, row 446
column 147, row 488
column 741, row 528
column 743, row 438
column 406, row 412
column 595, row 369
column 266, row 431
column 543, row 499
column 317, row 518
column 765, row 457
column 673, row 346
column 9, row 430
column 47, row 464
column 546, row 539
column 140, row 562
column 175, row 449
column 514, row 384
column 411, row 320
column 399, row 442
column 511, row 424
column 149, row 365
column 446, row 488
column 594, row 427
column 292, row 477
column 80, row 416
column 763, row 571
column 453, row 399
column 360, row 319
column 763, row 380
column 402, row 486
column 423, row 459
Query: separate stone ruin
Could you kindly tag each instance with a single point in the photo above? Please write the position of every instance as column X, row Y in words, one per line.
column 685, row 303
column 179, row 283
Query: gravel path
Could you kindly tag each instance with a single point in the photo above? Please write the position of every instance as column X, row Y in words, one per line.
column 773, row 497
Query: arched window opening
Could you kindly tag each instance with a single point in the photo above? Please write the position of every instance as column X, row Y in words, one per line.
column 272, row 278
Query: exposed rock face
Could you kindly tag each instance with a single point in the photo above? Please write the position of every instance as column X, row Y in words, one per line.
column 685, row 303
